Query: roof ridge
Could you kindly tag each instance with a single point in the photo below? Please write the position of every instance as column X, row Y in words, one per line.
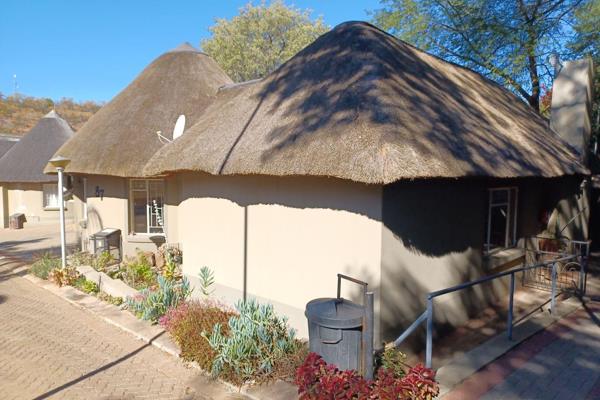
column 52, row 114
column 185, row 47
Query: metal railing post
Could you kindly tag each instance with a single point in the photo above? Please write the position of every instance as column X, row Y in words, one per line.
column 427, row 315
column 368, row 335
column 553, row 299
column 429, row 343
column 581, row 272
column 510, row 306
column 584, row 262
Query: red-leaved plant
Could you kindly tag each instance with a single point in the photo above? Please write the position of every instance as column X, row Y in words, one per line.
column 317, row 380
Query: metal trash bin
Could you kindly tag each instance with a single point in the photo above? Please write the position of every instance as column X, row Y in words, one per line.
column 16, row 221
column 109, row 240
column 341, row 331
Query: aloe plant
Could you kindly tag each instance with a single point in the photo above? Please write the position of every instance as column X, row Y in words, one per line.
column 152, row 304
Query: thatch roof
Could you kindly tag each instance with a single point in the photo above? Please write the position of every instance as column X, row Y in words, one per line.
column 25, row 161
column 6, row 142
column 121, row 137
column 362, row 105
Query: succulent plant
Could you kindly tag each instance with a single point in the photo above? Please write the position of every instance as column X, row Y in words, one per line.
column 257, row 338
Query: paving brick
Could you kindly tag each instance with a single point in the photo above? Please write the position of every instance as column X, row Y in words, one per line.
column 562, row 362
column 48, row 346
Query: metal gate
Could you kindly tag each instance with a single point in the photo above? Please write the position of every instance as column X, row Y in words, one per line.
column 570, row 275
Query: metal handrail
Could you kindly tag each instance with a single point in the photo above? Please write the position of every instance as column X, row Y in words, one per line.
column 427, row 315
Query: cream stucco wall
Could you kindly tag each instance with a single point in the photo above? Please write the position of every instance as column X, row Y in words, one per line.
column 295, row 233
column 3, row 206
column 111, row 210
column 433, row 237
column 27, row 198
column 284, row 239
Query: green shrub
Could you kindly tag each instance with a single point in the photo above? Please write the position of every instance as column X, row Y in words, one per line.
column 90, row 287
column 81, row 258
column 257, row 341
column 115, row 300
column 394, row 361
column 189, row 321
column 103, row 261
column 151, row 304
column 86, row 286
column 43, row 265
column 171, row 270
column 137, row 272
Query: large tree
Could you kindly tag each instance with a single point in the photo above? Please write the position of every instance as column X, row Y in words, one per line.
column 508, row 40
column 587, row 42
column 261, row 38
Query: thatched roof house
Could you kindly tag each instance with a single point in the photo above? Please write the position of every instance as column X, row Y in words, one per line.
column 121, row 137
column 360, row 104
column 26, row 160
column 6, row 142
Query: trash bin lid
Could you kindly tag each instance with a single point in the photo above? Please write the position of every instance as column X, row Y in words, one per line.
column 105, row 233
column 335, row 313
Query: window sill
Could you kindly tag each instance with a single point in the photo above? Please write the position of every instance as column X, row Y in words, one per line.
column 146, row 238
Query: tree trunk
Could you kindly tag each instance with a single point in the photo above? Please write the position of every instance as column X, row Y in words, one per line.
column 534, row 98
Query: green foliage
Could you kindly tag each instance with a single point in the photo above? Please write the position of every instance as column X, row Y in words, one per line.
column 171, row 271
column 81, row 258
column 151, row 304
column 258, row 339
column 207, row 279
column 136, row 272
column 43, row 265
column 587, row 41
column 394, row 361
column 587, row 23
column 103, row 261
column 173, row 257
column 117, row 301
column 261, row 38
column 99, row 263
column 86, row 286
column 90, row 287
column 508, row 41
column 187, row 322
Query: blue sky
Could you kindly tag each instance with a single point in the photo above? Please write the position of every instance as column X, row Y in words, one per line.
column 91, row 49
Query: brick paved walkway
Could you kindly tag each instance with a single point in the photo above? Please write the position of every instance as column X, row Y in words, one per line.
column 561, row 362
column 51, row 349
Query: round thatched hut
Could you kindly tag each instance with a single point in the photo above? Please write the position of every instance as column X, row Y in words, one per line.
column 366, row 156
column 110, row 150
column 25, row 188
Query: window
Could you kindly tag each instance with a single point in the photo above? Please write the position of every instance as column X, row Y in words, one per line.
column 50, row 197
column 502, row 218
column 146, row 198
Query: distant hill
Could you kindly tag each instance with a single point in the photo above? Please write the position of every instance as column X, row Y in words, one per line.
column 19, row 113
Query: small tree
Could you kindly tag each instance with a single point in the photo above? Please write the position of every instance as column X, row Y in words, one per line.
column 260, row 39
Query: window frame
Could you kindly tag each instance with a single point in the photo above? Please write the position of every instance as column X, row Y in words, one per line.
column 510, row 238
column 148, row 213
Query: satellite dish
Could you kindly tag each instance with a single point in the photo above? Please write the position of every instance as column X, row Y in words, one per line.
column 179, row 127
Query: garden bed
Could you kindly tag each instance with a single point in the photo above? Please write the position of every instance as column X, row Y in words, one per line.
column 246, row 346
